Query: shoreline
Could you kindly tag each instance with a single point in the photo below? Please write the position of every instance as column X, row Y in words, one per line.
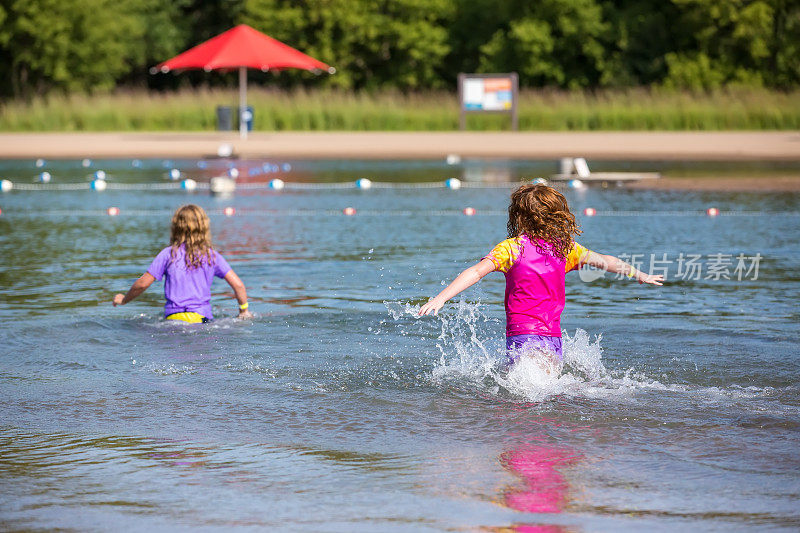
column 693, row 146
column 770, row 146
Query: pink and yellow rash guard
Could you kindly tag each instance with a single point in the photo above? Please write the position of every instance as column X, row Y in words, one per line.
column 534, row 285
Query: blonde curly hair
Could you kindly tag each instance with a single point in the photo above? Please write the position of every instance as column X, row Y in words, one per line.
column 191, row 227
column 542, row 214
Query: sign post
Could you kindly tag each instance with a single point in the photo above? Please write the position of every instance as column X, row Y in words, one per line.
column 488, row 93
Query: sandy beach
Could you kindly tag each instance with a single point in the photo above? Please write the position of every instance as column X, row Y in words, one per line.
column 689, row 146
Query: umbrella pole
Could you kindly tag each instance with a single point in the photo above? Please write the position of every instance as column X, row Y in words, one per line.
column 242, row 102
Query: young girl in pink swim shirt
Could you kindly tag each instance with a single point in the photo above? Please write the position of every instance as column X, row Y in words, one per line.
column 539, row 252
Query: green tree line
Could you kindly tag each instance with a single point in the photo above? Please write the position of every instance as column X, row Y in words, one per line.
column 75, row 46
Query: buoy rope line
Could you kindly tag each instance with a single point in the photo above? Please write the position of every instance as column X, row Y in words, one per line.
column 179, row 185
column 230, row 211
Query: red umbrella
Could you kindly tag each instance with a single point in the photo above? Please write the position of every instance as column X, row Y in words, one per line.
column 242, row 47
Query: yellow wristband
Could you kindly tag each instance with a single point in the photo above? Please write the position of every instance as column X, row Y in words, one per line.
column 630, row 274
column 244, row 306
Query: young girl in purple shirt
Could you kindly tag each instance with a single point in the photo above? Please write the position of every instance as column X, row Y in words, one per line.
column 188, row 266
column 539, row 252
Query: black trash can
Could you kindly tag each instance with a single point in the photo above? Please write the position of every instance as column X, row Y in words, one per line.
column 247, row 117
column 224, row 118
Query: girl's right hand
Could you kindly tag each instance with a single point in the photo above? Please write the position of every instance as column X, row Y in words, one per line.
column 245, row 314
column 433, row 305
column 118, row 298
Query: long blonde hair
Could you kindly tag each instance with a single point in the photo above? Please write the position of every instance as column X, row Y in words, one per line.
column 542, row 213
column 190, row 227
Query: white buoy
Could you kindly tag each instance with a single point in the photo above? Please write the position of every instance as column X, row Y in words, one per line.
column 453, row 183
column 174, row 174
column 469, row 211
column 233, row 172
column 349, row 211
column 222, row 185
column 112, row 211
column 86, row 163
column 229, row 211
column 590, row 211
column 453, row 159
column 99, row 175
column 712, row 211
column 276, row 184
column 539, row 181
column 575, row 184
column 44, row 177
column 189, row 184
column 363, row 183
column 6, row 185
column 99, row 185
column 225, row 150
column 39, row 163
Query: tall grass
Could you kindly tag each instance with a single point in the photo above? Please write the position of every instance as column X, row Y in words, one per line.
column 328, row 110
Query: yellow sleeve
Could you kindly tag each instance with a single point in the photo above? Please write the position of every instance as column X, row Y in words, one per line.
column 576, row 257
column 505, row 254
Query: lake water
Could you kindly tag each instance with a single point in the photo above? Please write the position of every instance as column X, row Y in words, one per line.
column 337, row 409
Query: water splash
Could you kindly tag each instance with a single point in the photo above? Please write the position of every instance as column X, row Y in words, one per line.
column 472, row 351
column 536, row 378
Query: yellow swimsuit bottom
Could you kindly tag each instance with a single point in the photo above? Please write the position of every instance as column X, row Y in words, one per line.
column 190, row 317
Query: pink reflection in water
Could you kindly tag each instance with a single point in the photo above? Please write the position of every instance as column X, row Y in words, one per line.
column 546, row 488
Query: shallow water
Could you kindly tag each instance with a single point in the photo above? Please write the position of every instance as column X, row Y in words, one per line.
column 337, row 409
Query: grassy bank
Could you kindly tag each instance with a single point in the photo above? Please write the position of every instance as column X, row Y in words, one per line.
column 436, row 111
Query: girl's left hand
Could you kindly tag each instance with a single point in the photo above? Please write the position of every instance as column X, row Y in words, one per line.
column 650, row 278
column 118, row 299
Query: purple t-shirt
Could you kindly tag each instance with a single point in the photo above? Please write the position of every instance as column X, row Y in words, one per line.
column 187, row 290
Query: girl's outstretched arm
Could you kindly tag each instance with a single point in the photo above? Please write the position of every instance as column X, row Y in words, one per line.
column 466, row 279
column 241, row 293
column 618, row 266
column 138, row 287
